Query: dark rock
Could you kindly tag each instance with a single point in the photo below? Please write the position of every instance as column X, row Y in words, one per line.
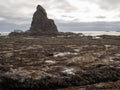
column 92, row 75
column 41, row 25
column 17, row 34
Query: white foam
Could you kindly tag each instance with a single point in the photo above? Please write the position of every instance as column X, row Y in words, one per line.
column 50, row 62
column 4, row 33
column 69, row 71
column 61, row 54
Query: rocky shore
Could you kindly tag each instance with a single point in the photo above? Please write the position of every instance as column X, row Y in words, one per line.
column 60, row 62
column 42, row 58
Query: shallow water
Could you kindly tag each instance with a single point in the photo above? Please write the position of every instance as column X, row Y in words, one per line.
column 95, row 33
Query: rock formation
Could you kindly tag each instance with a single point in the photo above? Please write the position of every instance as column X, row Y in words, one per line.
column 41, row 25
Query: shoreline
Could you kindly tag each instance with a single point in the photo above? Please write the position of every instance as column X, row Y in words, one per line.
column 85, row 33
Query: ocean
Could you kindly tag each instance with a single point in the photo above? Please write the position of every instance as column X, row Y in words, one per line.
column 86, row 33
column 95, row 33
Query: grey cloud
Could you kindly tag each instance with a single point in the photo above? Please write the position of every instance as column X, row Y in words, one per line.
column 119, row 15
column 62, row 5
column 107, row 4
column 101, row 17
column 9, row 27
column 89, row 26
column 15, row 19
column 2, row 19
column 67, row 16
column 13, row 11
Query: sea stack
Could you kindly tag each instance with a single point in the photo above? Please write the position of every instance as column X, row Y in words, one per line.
column 41, row 24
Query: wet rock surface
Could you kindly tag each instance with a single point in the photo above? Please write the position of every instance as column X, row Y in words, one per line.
column 62, row 63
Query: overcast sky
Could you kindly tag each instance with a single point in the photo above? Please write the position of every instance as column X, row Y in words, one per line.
column 17, row 14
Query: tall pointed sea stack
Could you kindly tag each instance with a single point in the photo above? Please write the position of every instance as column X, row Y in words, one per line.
column 41, row 25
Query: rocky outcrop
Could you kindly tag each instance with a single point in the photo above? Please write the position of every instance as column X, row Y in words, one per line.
column 16, row 79
column 48, row 63
column 41, row 25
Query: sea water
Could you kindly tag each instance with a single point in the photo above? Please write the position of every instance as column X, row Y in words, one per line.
column 86, row 33
column 95, row 33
